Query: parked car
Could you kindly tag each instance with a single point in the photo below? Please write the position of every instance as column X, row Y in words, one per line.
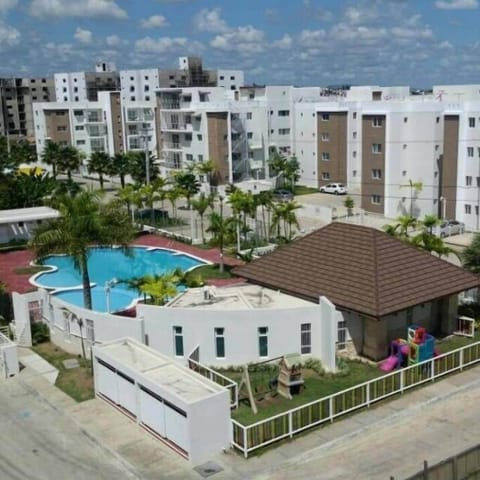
column 449, row 227
column 336, row 188
column 282, row 195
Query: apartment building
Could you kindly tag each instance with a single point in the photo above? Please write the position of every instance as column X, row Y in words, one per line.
column 16, row 104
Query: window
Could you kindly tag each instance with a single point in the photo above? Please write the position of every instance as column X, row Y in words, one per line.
column 147, row 98
column 325, row 137
column 189, row 157
column 325, row 117
column 376, row 173
column 305, row 338
column 132, row 88
column 220, row 342
column 478, row 181
column 471, row 122
column 476, row 210
column 178, row 341
column 376, row 148
column 222, row 77
column 232, row 78
column 354, row 154
column 235, row 116
column 80, row 142
column 263, row 341
column 326, row 156
column 354, row 135
column 377, row 121
column 405, row 119
column 468, row 181
column 341, row 335
column 79, row 128
column 376, row 199
column 199, row 137
column 250, row 155
column 61, row 128
column 284, row 131
column 249, row 135
column 469, row 151
column 354, row 173
column 64, row 89
column 437, row 119
column 249, row 115
column 354, row 115
column 325, row 175
column 200, row 158
column 146, row 88
column 468, row 209
column 132, row 79
column 284, row 113
column 132, row 99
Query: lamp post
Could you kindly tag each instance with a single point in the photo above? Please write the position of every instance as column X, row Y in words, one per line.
column 443, row 200
column 108, row 286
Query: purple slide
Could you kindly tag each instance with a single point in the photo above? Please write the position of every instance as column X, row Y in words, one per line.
column 389, row 364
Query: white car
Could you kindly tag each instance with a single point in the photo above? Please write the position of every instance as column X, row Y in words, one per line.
column 336, row 188
column 449, row 227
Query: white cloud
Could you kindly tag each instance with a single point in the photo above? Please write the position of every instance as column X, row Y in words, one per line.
column 284, row 43
column 114, row 41
column 83, row 36
column 210, row 21
column 244, row 40
column 155, row 21
column 457, row 4
column 77, row 8
column 7, row 5
column 9, row 36
column 311, row 38
column 343, row 32
column 360, row 14
column 159, row 45
column 404, row 32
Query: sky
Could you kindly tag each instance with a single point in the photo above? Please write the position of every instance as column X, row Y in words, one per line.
column 291, row 42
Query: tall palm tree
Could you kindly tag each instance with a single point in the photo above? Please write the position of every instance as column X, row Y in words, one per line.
column 200, row 205
column 284, row 215
column 160, row 288
column 173, row 194
column 121, row 166
column 471, row 255
column 100, row 163
column 51, row 156
column 220, row 227
column 70, row 160
column 206, row 169
column 265, row 201
column 83, row 221
column 188, row 184
column 130, row 196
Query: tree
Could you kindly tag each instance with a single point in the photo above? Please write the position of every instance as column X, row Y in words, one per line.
column 51, row 156
column 291, row 172
column 284, row 215
column 206, row 169
column 15, row 152
column 188, row 184
column 173, row 194
column 83, row 221
column 415, row 189
column 130, row 195
column 471, row 255
column 200, row 205
column 101, row 164
column 160, row 288
column 349, row 203
column 150, row 194
column 265, row 201
column 221, row 229
column 70, row 159
column 29, row 189
column 138, row 168
column 121, row 166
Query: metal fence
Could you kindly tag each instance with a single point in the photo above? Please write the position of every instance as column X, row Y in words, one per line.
column 465, row 465
column 248, row 438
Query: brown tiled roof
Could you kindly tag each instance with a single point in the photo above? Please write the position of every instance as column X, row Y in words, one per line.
column 360, row 269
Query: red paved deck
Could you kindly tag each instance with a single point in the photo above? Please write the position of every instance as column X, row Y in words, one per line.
column 10, row 261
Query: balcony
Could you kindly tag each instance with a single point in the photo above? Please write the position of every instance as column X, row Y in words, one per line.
column 165, row 105
column 172, row 146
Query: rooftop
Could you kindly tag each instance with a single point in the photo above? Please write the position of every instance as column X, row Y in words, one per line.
column 160, row 369
column 359, row 269
column 237, row 297
column 27, row 214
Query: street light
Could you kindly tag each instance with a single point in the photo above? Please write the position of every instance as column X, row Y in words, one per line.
column 443, row 201
column 108, row 286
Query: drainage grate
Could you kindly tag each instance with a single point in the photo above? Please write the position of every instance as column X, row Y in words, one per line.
column 208, row 469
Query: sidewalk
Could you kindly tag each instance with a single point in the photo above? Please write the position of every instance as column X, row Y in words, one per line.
column 392, row 438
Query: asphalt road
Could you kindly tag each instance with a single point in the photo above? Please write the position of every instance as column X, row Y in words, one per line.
column 39, row 442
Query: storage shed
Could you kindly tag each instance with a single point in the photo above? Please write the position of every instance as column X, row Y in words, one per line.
column 177, row 405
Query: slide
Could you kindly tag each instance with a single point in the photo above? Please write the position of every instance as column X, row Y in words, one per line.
column 389, row 364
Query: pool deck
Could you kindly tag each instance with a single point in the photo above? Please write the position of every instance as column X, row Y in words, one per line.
column 11, row 261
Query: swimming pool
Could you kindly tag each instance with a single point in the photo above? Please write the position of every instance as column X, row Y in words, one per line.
column 106, row 265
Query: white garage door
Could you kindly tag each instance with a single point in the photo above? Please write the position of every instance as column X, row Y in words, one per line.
column 107, row 381
column 176, row 425
column 126, row 393
column 152, row 411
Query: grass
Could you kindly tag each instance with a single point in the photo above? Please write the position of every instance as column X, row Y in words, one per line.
column 456, row 341
column 212, row 271
column 30, row 270
column 303, row 190
column 316, row 386
column 75, row 382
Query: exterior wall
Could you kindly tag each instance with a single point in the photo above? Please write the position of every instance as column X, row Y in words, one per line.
column 450, row 165
column 373, row 186
column 17, row 231
column 139, row 85
column 218, row 151
column 332, row 141
column 230, row 79
column 116, row 123
column 70, row 87
column 305, row 144
column 9, row 366
column 58, row 128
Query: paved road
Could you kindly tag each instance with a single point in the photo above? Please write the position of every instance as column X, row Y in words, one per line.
column 39, row 442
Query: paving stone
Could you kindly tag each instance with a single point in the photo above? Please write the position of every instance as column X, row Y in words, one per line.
column 71, row 363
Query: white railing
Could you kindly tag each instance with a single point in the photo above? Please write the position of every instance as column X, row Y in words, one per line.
column 228, row 383
column 248, row 438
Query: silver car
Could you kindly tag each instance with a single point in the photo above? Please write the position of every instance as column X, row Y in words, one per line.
column 336, row 188
column 449, row 227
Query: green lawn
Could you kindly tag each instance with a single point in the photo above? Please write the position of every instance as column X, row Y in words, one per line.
column 302, row 190
column 30, row 270
column 212, row 271
column 76, row 382
column 455, row 341
column 316, row 386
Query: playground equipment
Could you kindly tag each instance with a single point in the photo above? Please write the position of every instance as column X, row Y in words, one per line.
column 418, row 347
column 290, row 380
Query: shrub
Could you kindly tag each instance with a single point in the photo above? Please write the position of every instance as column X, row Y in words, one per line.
column 40, row 333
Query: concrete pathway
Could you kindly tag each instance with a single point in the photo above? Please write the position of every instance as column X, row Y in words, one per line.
column 37, row 365
column 391, row 439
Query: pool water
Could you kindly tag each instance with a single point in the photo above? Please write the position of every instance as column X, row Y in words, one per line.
column 106, row 264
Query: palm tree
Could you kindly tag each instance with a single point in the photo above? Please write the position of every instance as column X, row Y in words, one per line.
column 200, row 205
column 83, row 221
column 173, row 194
column 130, row 195
column 284, row 214
column 291, row 169
column 121, row 166
column 206, row 169
column 70, row 159
column 220, row 228
column 265, row 201
column 150, row 195
column 430, row 221
column 100, row 163
column 160, row 288
column 415, row 189
column 51, row 156
column 188, row 184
